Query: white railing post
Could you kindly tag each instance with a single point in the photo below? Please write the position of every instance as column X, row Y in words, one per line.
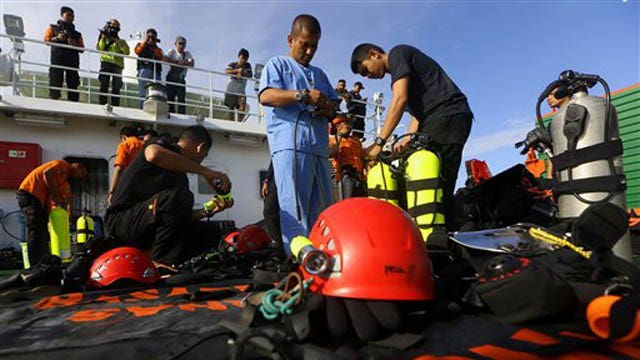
column 88, row 79
column 211, row 95
column 33, row 85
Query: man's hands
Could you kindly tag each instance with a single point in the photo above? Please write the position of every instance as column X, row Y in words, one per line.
column 217, row 180
column 371, row 152
column 324, row 107
column 264, row 191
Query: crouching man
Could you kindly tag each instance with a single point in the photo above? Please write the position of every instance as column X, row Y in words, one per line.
column 152, row 207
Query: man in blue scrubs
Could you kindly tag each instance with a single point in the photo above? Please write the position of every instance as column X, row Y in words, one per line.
column 299, row 103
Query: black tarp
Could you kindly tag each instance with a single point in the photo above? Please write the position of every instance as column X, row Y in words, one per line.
column 165, row 323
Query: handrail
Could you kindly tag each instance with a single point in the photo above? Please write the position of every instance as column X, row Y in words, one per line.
column 192, row 88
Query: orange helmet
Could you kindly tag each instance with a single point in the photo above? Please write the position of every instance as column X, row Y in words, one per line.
column 376, row 253
column 249, row 238
column 340, row 119
column 122, row 263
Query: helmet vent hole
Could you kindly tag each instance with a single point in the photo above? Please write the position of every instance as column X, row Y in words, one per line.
column 107, row 261
column 117, row 257
column 331, row 245
column 325, row 231
column 322, row 224
column 126, row 256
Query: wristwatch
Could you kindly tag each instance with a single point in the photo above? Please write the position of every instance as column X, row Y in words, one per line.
column 380, row 141
column 302, row 96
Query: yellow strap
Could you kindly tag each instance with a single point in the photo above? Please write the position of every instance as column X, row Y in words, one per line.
column 540, row 234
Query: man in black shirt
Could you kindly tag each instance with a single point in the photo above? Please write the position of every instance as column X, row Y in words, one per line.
column 437, row 106
column 357, row 109
column 152, row 207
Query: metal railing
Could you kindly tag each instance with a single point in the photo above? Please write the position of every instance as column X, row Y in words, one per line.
column 30, row 75
column 210, row 104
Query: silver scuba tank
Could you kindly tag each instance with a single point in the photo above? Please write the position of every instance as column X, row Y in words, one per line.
column 579, row 124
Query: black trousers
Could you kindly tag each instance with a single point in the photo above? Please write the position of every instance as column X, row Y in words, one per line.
column 35, row 219
column 449, row 143
column 179, row 92
column 161, row 224
column 113, row 75
column 358, row 125
column 56, row 76
column 271, row 213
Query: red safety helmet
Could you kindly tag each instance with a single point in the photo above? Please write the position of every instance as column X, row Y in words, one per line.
column 376, row 252
column 249, row 238
column 122, row 263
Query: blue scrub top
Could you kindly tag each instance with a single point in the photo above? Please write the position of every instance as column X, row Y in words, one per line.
column 283, row 72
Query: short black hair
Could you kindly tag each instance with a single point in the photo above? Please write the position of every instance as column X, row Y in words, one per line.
column 197, row 134
column 65, row 9
column 243, row 52
column 129, row 130
column 151, row 132
column 342, row 80
column 361, row 53
column 305, row 21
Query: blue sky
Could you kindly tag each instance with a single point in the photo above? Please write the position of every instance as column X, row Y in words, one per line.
column 500, row 53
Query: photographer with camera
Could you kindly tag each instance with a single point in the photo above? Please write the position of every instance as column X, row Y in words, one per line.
column 64, row 32
column 111, row 65
column 147, row 69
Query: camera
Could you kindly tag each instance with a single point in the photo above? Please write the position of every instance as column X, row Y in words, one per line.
column 110, row 30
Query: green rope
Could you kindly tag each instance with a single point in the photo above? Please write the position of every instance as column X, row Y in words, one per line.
column 271, row 307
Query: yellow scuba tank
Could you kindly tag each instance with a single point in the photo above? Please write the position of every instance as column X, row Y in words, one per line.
column 381, row 184
column 84, row 228
column 59, row 233
column 424, row 191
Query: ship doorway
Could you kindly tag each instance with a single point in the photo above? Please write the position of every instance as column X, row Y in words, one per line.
column 90, row 194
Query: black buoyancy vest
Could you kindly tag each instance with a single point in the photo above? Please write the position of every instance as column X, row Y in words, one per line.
column 64, row 56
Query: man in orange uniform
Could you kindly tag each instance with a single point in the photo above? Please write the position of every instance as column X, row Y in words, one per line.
column 130, row 145
column 46, row 183
column 64, row 61
column 347, row 159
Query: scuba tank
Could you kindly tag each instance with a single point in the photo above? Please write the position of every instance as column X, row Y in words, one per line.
column 585, row 149
column 382, row 184
column 424, row 193
column 59, row 233
column 84, row 228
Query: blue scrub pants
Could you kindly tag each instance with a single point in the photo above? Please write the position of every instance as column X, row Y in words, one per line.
column 313, row 187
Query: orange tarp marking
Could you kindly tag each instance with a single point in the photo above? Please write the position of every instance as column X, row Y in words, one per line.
column 579, row 335
column 178, row 291
column 58, row 301
column 151, row 294
column 92, row 315
column 630, row 350
column 496, row 352
column 535, row 337
column 140, row 311
column 211, row 305
column 212, row 289
column 582, row 355
column 236, row 303
column 242, row 288
column 109, row 299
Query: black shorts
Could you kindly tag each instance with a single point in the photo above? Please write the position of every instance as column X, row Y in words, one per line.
column 234, row 101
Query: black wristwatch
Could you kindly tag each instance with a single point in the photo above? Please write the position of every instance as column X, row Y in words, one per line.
column 302, row 96
column 380, row 141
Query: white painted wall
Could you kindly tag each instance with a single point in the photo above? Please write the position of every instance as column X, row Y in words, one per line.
column 96, row 138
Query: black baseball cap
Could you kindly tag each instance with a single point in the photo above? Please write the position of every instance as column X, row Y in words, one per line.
column 65, row 9
column 358, row 83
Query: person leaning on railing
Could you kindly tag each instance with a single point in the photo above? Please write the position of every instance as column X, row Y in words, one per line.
column 64, row 32
column 177, row 74
column 111, row 65
column 148, row 69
